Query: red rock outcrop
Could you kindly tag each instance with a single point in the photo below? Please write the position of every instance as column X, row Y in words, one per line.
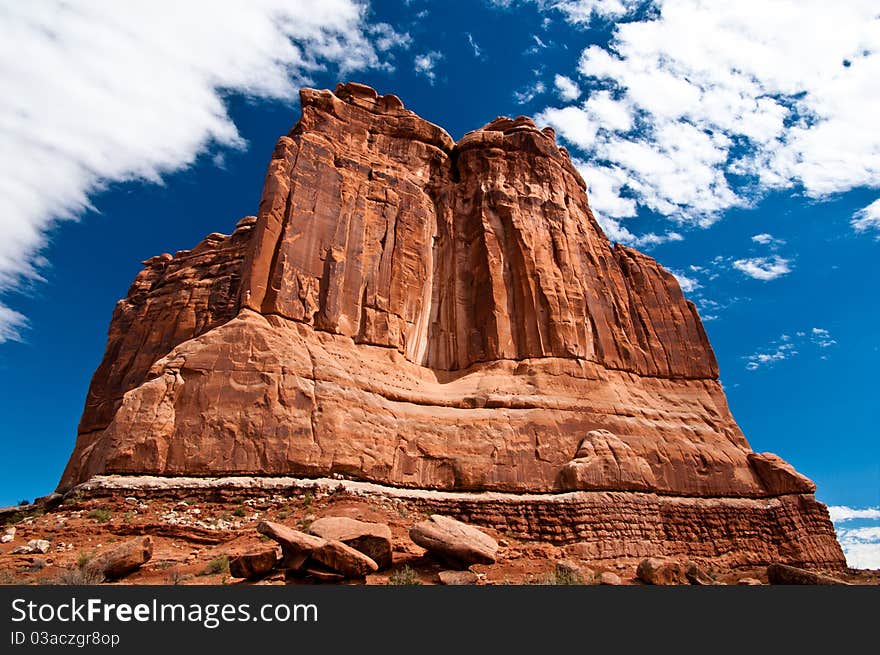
column 422, row 313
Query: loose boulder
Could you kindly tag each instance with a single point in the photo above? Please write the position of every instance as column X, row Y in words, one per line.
column 697, row 576
column 371, row 539
column 253, row 565
column 457, row 578
column 34, row 546
column 122, row 559
column 345, row 559
column 656, row 571
column 296, row 546
column 792, row 575
column 609, row 578
column 453, row 541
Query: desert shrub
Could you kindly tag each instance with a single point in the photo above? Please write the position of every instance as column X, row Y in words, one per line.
column 100, row 515
column 80, row 575
column 216, row 565
column 404, row 576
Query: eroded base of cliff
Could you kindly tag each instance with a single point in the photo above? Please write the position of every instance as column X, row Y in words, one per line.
column 196, row 522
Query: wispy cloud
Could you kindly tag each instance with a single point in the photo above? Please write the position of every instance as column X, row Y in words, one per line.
column 788, row 346
column 385, row 37
column 867, row 218
column 424, row 64
column 478, row 51
column 821, row 337
column 12, row 324
column 537, row 45
column 105, row 92
column 528, row 93
column 766, row 239
column 763, row 268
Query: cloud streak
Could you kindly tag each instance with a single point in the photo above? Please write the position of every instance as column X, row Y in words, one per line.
column 114, row 92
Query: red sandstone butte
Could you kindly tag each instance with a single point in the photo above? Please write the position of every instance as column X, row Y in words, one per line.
column 422, row 313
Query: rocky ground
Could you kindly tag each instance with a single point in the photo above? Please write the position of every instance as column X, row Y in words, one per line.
column 194, row 536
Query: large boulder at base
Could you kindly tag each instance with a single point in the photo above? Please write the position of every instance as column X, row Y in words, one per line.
column 253, row 565
column 457, row 578
column 454, row 542
column 372, row 539
column 783, row 574
column 301, row 549
column 296, row 546
column 121, row 559
column 609, row 578
column 696, row 575
column 345, row 559
column 657, row 571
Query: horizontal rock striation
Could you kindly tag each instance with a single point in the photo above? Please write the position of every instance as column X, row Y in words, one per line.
column 421, row 313
column 593, row 525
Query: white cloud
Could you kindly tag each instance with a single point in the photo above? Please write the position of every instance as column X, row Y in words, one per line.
column 573, row 124
column 821, row 337
column 101, row 92
column 424, row 64
column 528, row 93
column 783, row 92
column 385, row 37
column 12, row 323
column 787, row 346
column 840, row 513
column 585, row 11
column 861, row 545
column 687, row 284
column 566, row 88
column 767, row 239
column 781, row 352
column 603, row 190
column 763, row 268
column 867, row 218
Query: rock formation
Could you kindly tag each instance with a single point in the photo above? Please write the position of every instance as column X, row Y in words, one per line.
column 422, row 313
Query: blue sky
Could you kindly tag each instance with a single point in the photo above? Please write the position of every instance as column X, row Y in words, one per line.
column 739, row 147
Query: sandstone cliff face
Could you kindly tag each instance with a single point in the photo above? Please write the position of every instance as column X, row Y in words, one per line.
column 413, row 311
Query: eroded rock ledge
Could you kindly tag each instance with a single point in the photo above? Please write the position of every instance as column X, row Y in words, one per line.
column 600, row 525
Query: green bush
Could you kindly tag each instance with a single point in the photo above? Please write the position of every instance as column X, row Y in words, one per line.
column 217, row 565
column 100, row 515
column 404, row 576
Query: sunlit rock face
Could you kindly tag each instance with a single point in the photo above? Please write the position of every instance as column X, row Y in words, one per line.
column 421, row 313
